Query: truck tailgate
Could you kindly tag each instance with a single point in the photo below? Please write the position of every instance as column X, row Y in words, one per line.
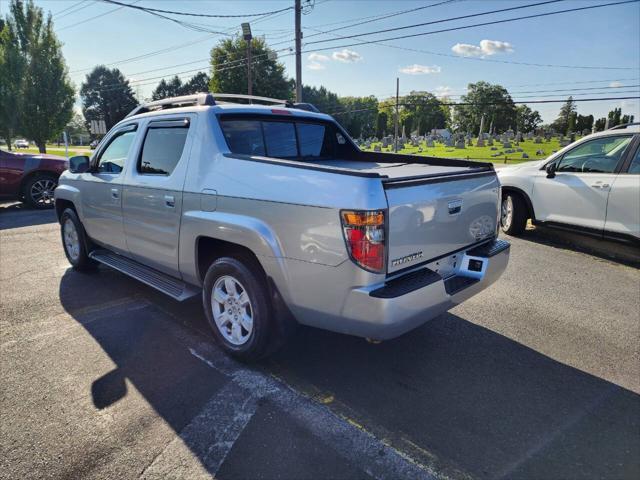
column 434, row 216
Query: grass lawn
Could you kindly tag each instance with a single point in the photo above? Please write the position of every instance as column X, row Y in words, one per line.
column 55, row 150
column 484, row 153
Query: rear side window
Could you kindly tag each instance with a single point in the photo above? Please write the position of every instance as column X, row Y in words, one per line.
column 162, row 149
column 280, row 139
column 113, row 157
column 283, row 138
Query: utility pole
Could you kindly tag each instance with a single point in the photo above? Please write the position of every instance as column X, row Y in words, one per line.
column 246, row 33
column 397, row 112
column 298, row 9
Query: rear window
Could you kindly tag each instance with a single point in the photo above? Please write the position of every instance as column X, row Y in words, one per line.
column 282, row 138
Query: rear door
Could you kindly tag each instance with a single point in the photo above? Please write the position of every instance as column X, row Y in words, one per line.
column 577, row 195
column 101, row 189
column 623, row 207
column 433, row 217
column 152, row 203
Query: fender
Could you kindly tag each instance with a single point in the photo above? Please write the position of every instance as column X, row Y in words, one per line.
column 65, row 191
column 526, row 198
column 248, row 232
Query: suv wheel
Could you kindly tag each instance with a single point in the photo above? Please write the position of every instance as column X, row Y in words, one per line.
column 38, row 191
column 513, row 214
column 236, row 302
column 75, row 241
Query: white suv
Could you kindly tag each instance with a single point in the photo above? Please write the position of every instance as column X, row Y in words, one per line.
column 592, row 186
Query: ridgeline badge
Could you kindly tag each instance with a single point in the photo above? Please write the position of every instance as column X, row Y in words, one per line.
column 406, row 259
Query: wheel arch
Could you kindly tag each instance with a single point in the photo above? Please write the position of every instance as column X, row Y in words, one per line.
column 524, row 196
column 34, row 173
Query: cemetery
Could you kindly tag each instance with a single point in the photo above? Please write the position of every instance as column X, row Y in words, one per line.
column 508, row 147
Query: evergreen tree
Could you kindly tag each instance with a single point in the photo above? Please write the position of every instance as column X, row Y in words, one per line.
column 106, row 95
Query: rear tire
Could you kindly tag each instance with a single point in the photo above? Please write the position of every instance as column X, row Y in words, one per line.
column 235, row 296
column 75, row 241
column 38, row 190
column 513, row 214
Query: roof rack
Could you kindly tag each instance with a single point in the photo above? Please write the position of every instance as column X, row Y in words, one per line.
column 624, row 125
column 210, row 99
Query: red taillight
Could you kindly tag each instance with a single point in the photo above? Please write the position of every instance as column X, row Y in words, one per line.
column 364, row 234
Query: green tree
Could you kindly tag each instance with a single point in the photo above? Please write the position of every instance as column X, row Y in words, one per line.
column 106, row 95
column 527, row 120
column 627, row 119
column 12, row 65
column 46, row 98
column 614, row 117
column 172, row 88
column 584, row 122
column 359, row 115
column 567, row 110
column 229, row 69
column 197, row 84
column 421, row 112
column 600, row 124
column 493, row 101
column 323, row 99
column 381, row 124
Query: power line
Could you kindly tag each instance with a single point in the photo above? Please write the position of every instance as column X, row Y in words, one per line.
column 433, row 22
column 91, row 18
column 189, row 14
column 61, row 14
column 67, row 9
column 476, row 25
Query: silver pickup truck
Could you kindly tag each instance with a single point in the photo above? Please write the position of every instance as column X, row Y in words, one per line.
column 277, row 217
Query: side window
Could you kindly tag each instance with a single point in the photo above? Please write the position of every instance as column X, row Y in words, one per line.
column 113, row 157
column 635, row 163
column 162, row 149
column 312, row 140
column 600, row 155
column 280, row 139
column 244, row 136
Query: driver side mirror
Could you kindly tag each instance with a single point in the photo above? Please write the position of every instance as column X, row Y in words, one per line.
column 79, row 164
column 551, row 170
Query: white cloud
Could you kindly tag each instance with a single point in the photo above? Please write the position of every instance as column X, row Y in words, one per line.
column 485, row 49
column 316, row 66
column 317, row 57
column 416, row 69
column 616, row 84
column 347, row 56
column 443, row 91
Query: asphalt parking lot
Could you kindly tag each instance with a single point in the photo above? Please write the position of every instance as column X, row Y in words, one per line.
column 102, row 377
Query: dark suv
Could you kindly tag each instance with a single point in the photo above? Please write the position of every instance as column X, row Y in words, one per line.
column 30, row 178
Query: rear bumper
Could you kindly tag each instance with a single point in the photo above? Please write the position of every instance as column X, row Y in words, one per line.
column 385, row 312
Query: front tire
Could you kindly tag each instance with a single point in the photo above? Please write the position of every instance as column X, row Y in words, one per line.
column 38, row 191
column 75, row 241
column 513, row 214
column 236, row 302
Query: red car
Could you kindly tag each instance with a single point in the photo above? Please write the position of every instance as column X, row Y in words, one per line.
column 30, row 178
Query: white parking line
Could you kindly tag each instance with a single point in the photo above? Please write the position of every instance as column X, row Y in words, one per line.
column 360, row 448
column 203, row 445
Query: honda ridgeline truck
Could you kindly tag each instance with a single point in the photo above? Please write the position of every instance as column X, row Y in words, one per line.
column 277, row 217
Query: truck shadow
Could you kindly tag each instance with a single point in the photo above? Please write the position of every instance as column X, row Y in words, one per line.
column 453, row 394
column 17, row 215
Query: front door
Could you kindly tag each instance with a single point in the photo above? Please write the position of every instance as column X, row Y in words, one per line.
column 577, row 194
column 101, row 191
column 152, row 202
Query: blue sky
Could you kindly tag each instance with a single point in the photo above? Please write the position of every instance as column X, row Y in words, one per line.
column 604, row 37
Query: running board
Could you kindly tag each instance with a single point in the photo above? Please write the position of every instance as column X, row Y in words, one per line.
column 167, row 284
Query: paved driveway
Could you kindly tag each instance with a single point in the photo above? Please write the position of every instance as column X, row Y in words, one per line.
column 101, row 377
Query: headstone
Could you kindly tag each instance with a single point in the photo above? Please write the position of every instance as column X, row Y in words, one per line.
column 524, row 155
column 430, row 142
column 385, row 142
column 506, row 144
column 460, row 143
column 538, row 140
column 539, row 152
column 377, row 148
column 519, row 150
column 469, row 143
column 494, row 148
column 490, row 142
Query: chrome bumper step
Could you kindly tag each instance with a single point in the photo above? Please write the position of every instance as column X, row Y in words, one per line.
column 167, row 284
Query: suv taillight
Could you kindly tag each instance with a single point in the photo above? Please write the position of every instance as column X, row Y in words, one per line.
column 364, row 234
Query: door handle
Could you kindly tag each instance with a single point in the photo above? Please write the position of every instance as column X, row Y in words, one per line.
column 115, row 194
column 600, row 185
column 169, row 201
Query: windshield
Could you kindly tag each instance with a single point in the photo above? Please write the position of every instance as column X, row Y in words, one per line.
column 299, row 139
